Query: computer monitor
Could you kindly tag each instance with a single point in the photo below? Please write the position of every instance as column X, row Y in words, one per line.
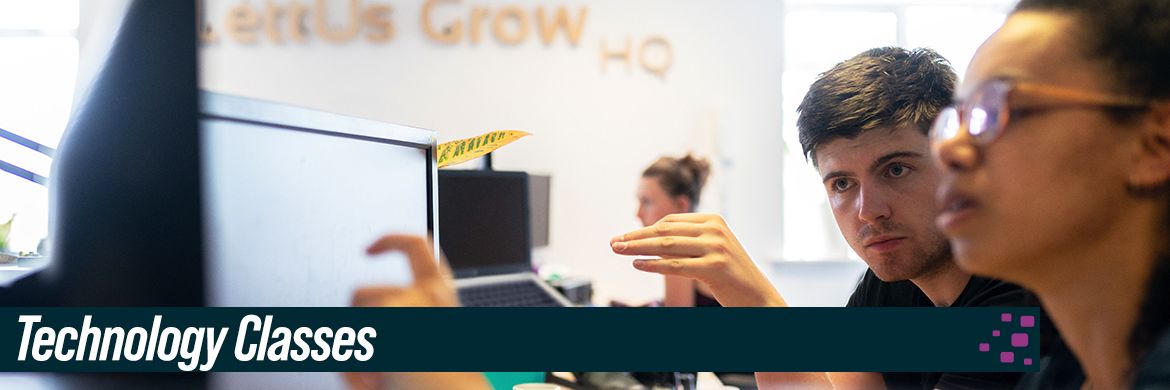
column 485, row 219
column 292, row 197
column 161, row 195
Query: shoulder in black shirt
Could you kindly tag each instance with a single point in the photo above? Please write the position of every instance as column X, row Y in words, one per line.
column 979, row 292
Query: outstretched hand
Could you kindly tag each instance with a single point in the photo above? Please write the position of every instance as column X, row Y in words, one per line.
column 700, row 247
column 432, row 285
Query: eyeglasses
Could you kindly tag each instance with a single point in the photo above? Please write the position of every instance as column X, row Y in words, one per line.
column 986, row 111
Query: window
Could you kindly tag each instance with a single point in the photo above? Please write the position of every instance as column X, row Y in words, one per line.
column 818, row 35
column 38, row 69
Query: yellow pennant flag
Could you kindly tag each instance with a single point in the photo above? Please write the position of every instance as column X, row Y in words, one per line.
column 455, row 152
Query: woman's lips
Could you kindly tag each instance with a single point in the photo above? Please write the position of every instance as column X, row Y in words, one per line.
column 956, row 208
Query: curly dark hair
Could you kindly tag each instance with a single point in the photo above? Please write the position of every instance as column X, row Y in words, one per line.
column 885, row 87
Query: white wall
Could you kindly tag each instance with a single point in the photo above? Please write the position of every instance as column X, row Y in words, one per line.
column 594, row 129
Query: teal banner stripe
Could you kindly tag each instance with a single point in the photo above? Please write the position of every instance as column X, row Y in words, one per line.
column 529, row 339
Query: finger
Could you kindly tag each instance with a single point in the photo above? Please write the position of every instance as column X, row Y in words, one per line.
column 374, row 296
column 689, row 268
column 365, row 380
column 662, row 229
column 672, row 246
column 418, row 251
column 689, row 217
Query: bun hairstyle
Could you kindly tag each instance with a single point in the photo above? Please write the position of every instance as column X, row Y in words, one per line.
column 681, row 176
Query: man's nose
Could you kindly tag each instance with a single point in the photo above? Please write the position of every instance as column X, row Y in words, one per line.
column 874, row 205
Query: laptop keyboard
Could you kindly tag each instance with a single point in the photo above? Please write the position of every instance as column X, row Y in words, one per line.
column 525, row 293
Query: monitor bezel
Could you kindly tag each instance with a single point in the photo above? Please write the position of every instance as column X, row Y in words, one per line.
column 218, row 106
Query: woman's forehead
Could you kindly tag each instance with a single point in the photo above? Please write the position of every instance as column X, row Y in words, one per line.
column 1034, row 46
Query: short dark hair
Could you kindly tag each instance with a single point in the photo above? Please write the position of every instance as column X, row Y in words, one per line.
column 879, row 88
column 681, row 176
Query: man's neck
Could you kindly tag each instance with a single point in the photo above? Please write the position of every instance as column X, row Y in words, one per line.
column 944, row 284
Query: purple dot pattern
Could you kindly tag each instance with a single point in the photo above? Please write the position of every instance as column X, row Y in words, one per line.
column 1017, row 340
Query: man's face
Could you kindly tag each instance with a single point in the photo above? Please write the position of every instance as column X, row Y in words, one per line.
column 882, row 187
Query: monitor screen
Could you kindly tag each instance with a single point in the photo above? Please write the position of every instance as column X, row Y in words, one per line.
column 292, row 198
column 484, row 215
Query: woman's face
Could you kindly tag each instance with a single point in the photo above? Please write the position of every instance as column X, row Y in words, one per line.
column 654, row 203
column 1051, row 183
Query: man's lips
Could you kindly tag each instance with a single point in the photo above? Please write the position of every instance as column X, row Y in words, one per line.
column 883, row 243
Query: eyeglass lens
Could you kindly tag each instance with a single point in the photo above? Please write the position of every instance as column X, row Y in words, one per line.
column 982, row 111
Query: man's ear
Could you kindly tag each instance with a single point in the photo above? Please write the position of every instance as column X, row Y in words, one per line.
column 1152, row 169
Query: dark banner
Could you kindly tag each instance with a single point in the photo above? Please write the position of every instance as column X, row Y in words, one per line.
column 519, row 339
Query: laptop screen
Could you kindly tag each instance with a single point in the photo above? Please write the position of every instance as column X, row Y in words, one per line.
column 485, row 222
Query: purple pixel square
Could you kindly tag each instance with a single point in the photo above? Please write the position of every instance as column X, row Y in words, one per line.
column 984, row 347
column 1007, row 357
column 995, row 333
column 1027, row 361
column 1006, row 317
column 1027, row 321
column 1019, row 339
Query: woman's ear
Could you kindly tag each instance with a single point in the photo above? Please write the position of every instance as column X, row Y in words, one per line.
column 1153, row 161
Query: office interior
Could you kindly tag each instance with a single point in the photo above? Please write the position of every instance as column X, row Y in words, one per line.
column 633, row 82
column 605, row 87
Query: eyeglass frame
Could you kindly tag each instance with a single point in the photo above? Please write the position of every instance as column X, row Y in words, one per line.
column 1078, row 97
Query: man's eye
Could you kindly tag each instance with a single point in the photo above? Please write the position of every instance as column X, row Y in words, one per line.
column 840, row 184
column 899, row 170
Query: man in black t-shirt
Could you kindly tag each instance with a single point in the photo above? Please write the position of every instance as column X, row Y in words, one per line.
column 863, row 125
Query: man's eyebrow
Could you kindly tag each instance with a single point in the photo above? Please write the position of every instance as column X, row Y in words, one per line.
column 884, row 159
column 876, row 164
column 833, row 175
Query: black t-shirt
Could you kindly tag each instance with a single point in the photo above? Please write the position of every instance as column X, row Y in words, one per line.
column 980, row 292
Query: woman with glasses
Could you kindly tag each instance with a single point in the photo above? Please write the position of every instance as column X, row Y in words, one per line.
column 1057, row 162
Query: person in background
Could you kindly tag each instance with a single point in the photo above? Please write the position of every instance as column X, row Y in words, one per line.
column 1056, row 161
column 672, row 186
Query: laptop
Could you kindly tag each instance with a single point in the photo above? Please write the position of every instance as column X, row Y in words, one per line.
column 485, row 233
